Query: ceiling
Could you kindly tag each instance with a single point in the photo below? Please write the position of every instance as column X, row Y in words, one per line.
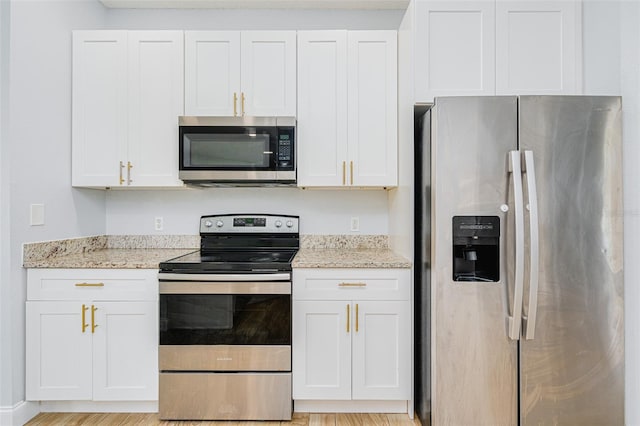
column 257, row 4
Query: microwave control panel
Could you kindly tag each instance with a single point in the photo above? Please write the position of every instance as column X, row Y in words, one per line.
column 285, row 148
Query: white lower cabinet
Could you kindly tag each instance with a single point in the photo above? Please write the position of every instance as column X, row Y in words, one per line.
column 95, row 349
column 357, row 346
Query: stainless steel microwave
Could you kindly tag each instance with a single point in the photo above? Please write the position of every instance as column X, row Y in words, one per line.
column 237, row 150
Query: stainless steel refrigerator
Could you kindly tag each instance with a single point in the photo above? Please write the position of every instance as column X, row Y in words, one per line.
column 519, row 291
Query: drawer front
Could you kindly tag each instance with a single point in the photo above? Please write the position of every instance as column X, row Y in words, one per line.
column 92, row 284
column 351, row 284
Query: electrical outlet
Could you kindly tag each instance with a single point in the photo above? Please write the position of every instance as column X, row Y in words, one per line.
column 37, row 215
column 159, row 223
column 355, row 224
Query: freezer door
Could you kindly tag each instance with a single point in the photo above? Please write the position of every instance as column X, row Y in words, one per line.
column 474, row 362
column 572, row 371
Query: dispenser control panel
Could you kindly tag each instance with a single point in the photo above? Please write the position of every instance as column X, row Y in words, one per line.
column 476, row 248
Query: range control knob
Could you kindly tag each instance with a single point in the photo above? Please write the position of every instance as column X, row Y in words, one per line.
column 289, row 224
column 208, row 224
column 219, row 224
column 278, row 224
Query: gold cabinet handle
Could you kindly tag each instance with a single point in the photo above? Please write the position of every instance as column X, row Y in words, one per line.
column 242, row 102
column 352, row 285
column 93, row 319
column 89, row 284
column 351, row 166
column 344, row 173
column 84, row 324
column 348, row 316
column 235, row 104
column 356, row 317
column 130, row 166
column 121, row 167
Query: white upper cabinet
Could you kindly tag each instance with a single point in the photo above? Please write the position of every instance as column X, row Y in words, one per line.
column 99, row 107
column 497, row 47
column 373, row 108
column 234, row 73
column 536, row 47
column 127, row 96
column 155, row 102
column 322, row 108
column 455, row 48
column 347, row 108
column 268, row 73
column 212, row 72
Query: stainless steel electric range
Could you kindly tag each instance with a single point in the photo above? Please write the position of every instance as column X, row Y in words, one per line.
column 225, row 321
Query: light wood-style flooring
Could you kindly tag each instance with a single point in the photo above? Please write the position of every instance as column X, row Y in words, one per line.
column 299, row 419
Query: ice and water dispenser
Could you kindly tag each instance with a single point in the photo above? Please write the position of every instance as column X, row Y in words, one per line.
column 476, row 248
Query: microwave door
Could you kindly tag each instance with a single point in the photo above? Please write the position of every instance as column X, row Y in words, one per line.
column 228, row 151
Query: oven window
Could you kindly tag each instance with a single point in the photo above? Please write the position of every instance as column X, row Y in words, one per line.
column 214, row 319
column 227, row 150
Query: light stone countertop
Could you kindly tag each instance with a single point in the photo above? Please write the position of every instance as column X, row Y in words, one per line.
column 349, row 258
column 146, row 252
column 110, row 258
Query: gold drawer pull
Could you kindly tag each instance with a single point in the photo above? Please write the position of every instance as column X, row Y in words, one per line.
column 348, row 317
column 352, row 285
column 89, row 284
column 84, row 325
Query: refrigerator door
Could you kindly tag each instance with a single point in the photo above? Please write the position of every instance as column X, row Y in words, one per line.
column 474, row 363
column 572, row 371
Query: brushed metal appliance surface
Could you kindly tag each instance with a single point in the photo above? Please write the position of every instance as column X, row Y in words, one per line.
column 573, row 369
column 224, row 357
column 474, row 363
column 235, row 121
column 237, row 396
column 238, row 175
column 544, row 344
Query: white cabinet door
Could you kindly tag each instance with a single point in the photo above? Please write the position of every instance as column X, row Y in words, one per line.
column 99, row 107
column 321, row 350
column 381, row 350
column 155, row 102
column 373, row 108
column 58, row 351
column 212, row 73
column 454, row 48
column 125, row 351
column 322, row 108
column 268, row 73
column 537, row 49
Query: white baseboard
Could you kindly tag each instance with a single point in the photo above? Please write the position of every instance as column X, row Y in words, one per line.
column 307, row 406
column 19, row 414
column 99, row 406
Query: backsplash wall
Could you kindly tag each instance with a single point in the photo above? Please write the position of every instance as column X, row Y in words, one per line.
column 320, row 211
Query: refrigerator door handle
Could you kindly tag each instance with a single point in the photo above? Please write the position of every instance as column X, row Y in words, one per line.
column 515, row 319
column 529, row 321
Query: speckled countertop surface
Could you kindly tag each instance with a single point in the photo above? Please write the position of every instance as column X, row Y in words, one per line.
column 347, row 251
column 108, row 258
column 146, row 252
column 349, row 258
column 108, row 251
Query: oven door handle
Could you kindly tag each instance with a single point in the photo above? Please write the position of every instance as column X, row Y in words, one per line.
column 165, row 276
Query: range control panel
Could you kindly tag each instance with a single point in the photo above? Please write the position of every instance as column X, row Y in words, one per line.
column 248, row 223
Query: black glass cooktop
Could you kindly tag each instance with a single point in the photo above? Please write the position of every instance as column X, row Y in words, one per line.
column 246, row 261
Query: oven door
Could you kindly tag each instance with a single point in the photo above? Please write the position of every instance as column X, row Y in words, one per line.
column 225, row 325
column 236, row 149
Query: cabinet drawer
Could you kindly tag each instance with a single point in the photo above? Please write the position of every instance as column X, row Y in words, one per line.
column 351, row 284
column 92, row 284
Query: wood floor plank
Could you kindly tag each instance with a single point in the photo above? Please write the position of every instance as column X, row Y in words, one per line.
column 152, row 419
column 322, row 419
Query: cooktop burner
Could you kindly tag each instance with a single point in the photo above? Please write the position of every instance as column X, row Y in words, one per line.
column 242, row 244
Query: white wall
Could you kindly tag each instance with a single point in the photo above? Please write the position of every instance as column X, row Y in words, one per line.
column 321, row 211
column 38, row 145
column 630, row 89
column 612, row 67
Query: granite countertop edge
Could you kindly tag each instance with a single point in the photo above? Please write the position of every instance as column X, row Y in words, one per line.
column 144, row 252
column 349, row 258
